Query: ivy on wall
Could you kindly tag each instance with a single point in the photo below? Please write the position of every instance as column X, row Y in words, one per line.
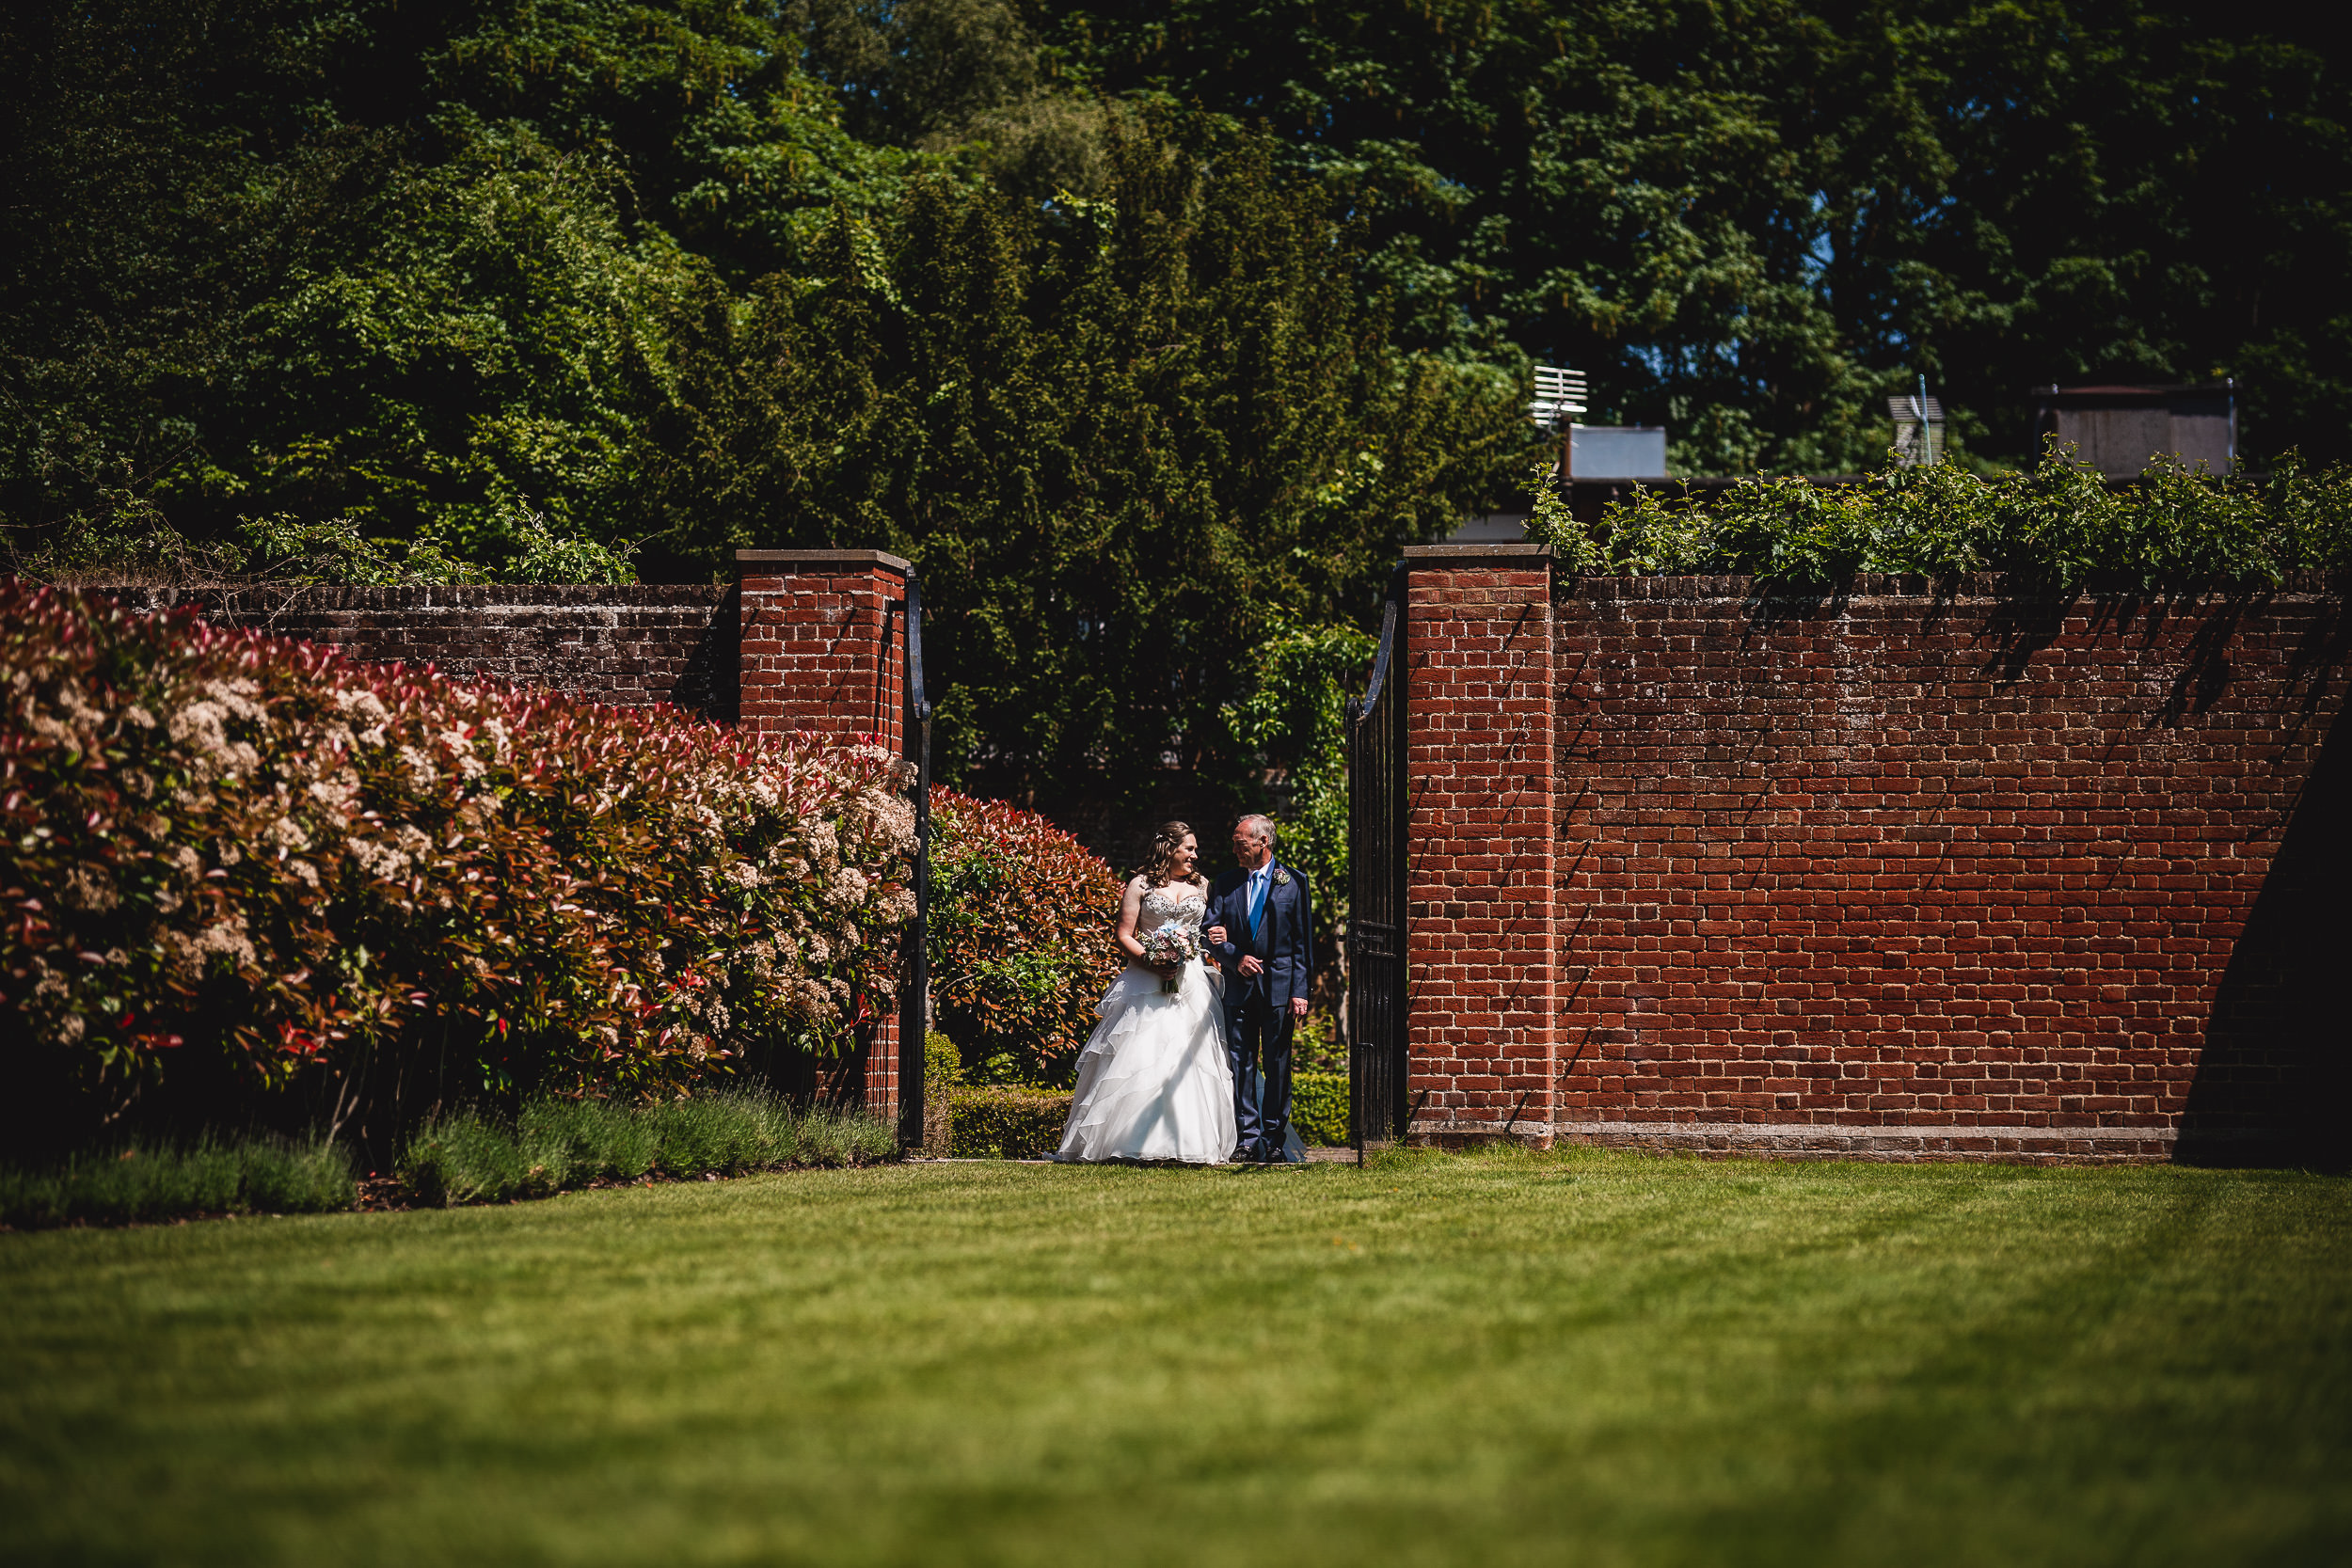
column 2057, row 526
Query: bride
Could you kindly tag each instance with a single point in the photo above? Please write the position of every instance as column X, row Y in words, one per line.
column 1154, row 1083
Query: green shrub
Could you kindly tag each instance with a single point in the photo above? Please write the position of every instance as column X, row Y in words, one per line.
column 942, row 1064
column 827, row 1137
column 1319, row 1108
column 463, row 1158
column 942, row 1069
column 468, row 1157
column 1295, row 716
column 995, row 1122
column 726, row 1134
column 263, row 1175
column 215, row 844
column 2057, row 526
column 1020, row 936
column 588, row 1140
column 288, row 1177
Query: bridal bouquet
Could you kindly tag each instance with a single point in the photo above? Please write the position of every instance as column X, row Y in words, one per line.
column 1171, row 946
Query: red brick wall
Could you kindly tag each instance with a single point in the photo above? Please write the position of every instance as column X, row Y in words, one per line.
column 1910, row 877
column 1480, row 894
column 1893, row 875
column 823, row 652
column 634, row 645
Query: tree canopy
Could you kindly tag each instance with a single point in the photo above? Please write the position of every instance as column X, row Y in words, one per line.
column 1753, row 220
column 1148, row 328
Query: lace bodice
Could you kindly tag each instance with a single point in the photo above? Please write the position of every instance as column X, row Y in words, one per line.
column 1178, row 905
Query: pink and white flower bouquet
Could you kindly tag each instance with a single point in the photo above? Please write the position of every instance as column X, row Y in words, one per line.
column 1170, row 947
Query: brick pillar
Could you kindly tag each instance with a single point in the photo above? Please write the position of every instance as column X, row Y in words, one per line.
column 1484, row 943
column 822, row 644
column 823, row 650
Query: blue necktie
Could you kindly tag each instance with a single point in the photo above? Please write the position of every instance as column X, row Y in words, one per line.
column 1257, row 909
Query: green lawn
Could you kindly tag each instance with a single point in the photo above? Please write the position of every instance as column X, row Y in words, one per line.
column 1575, row 1358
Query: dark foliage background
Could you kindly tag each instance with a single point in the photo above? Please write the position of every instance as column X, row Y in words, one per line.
column 1754, row 219
column 1147, row 328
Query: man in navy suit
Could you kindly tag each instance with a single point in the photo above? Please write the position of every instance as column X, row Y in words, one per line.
column 1262, row 929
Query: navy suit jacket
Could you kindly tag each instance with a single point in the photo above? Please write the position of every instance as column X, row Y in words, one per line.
column 1289, row 949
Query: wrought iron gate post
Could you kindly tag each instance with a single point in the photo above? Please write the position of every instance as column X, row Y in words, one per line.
column 1377, row 808
column 915, row 967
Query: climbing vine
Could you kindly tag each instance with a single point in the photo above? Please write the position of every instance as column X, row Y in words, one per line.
column 2057, row 525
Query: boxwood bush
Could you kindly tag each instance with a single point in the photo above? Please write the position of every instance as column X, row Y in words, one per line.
column 995, row 1122
column 1319, row 1106
column 239, row 866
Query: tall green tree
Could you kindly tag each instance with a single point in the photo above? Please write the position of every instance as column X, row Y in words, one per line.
column 1121, row 438
column 399, row 265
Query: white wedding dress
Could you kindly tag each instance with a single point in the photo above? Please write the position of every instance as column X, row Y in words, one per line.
column 1154, row 1083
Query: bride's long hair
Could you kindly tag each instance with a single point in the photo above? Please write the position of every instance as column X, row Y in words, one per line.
column 1165, row 839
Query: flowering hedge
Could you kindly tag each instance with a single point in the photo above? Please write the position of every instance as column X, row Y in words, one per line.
column 249, row 853
column 1021, row 937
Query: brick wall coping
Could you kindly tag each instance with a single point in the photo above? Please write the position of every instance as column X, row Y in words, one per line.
column 422, row 596
column 823, row 558
column 1477, row 555
column 1886, row 585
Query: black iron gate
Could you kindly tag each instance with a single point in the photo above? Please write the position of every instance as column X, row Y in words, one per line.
column 915, row 968
column 1376, row 810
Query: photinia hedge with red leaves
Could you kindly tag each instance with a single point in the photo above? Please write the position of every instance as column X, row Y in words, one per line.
column 248, row 861
column 1021, row 935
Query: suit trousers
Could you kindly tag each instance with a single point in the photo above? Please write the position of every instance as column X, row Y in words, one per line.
column 1257, row 1038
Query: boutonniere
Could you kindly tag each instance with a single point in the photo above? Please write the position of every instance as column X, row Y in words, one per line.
column 1282, row 878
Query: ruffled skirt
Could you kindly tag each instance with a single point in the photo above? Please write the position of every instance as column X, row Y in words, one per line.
column 1154, row 1083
